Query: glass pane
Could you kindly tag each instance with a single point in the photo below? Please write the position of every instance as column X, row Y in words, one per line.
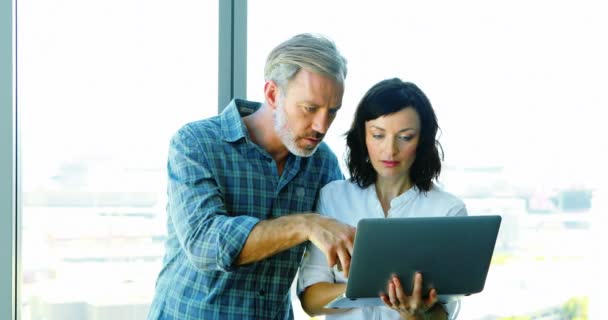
column 102, row 86
column 517, row 87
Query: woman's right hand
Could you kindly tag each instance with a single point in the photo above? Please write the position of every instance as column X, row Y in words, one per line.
column 414, row 306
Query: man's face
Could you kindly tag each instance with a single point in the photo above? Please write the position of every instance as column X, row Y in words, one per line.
column 305, row 111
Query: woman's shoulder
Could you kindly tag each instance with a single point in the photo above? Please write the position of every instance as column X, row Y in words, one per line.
column 342, row 187
column 437, row 193
column 342, row 199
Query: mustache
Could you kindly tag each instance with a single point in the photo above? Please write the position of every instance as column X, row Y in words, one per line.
column 314, row 135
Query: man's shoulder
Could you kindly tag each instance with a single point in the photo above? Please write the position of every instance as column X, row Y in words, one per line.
column 226, row 126
column 324, row 153
column 204, row 131
column 324, row 150
column 324, row 165
column 209, row 125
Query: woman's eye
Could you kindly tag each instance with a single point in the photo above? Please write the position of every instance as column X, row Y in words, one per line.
column 377, row 136
column 405, row 138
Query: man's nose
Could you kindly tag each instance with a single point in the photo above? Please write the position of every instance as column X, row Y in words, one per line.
column 321, row 122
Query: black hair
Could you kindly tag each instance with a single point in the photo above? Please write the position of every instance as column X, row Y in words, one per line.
column 384, row 98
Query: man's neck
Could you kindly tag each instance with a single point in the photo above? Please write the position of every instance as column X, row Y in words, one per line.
column 260, row 126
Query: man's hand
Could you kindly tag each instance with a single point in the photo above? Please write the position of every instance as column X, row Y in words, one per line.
column 334, row 239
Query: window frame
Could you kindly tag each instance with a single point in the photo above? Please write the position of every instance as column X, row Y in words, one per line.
column 8, row 162
column 232, row 51
column 232, row 62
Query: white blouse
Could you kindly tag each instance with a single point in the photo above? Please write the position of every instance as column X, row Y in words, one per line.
column 345, row 201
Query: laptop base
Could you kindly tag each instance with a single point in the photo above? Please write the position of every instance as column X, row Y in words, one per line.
column 342, row 302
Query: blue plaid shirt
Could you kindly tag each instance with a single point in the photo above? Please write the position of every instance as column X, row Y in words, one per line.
column 220, row 185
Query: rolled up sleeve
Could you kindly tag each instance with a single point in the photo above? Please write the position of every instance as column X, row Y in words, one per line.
column 211, row 239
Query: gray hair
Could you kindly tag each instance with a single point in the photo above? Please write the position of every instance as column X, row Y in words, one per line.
column 312, row 52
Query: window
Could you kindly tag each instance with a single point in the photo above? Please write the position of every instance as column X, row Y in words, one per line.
column 102, row 86
column 516, row 87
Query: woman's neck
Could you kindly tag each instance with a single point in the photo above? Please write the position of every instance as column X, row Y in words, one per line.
column 389, row 189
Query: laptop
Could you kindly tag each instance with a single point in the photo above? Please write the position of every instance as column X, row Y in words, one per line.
column 452, row 253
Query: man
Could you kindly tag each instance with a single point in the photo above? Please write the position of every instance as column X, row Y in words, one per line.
column 242, row 187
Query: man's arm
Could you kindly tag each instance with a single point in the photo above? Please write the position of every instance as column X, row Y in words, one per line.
column 269, row 237
column 210, row 238
column 214, row 240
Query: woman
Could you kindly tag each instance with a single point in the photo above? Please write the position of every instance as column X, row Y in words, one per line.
column 393, row 158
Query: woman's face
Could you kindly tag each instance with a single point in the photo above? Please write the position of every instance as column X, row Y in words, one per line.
column 391, row 141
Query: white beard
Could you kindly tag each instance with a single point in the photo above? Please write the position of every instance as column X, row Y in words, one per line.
column 287, row 136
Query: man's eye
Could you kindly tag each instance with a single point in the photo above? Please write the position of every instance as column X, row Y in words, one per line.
column 310, row 109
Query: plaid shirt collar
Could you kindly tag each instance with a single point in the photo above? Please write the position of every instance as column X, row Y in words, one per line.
column 233, row 114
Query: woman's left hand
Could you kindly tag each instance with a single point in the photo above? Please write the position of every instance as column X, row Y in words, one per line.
column 413, row 306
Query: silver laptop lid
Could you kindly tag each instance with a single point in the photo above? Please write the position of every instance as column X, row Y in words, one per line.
column 452, row 253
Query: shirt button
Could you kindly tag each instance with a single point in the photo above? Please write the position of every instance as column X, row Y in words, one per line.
column 262, row 292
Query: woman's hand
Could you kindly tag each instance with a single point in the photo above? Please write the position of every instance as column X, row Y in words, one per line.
column 414, row 306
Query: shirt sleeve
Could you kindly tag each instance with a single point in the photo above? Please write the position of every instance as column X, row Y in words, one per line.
column 314, row 268
column 458, row 210
column 453, row 307
column 211, row 239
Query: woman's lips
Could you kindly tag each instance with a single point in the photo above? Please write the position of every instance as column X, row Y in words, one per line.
column 390, row 164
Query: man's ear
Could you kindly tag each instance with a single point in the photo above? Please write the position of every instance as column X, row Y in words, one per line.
column 271, row 94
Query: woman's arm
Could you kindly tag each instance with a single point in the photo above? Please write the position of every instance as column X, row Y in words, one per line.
column 315, row 297
column 318, row 282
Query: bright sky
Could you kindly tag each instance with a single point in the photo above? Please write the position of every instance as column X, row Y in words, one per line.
column 515, row 83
